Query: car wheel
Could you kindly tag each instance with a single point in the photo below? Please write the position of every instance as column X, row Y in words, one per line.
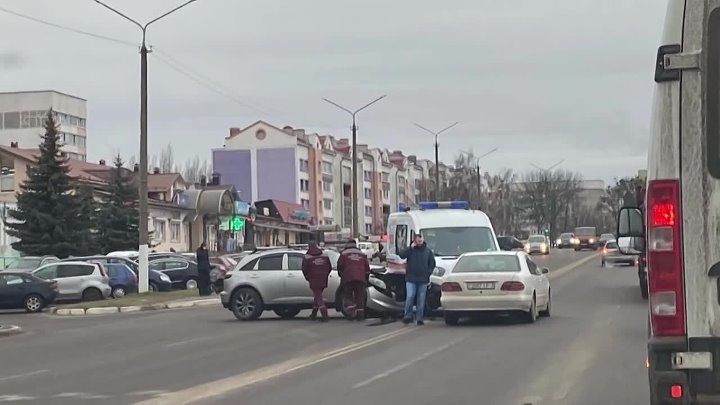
column 92, row 294
column 532, row 315
column 452, row 319
column 153, row 287
column 546, row 313
column 286, row 313
column 118, row 292
column 246, row 304
column 191, row 284
column 34, row 303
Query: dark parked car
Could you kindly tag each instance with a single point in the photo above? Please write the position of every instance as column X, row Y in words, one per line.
column 158, row 281
column 182, row 272
column 123, row 280
column 510, row 243
column 24, row 290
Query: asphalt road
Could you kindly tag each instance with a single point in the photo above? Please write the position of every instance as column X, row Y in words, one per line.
column 590, row 352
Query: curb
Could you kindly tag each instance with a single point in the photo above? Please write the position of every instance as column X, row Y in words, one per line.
column 9, row 330
column 572, row 266
column 134, row 308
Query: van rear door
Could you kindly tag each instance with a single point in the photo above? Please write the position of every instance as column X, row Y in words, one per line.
column 699, row 64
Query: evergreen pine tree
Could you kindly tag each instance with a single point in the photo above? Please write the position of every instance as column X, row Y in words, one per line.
column 86, row 210
column 118, row 213
column 44, row 220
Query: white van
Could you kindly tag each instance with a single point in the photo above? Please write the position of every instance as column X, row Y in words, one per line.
column 679, row 228
column 449, row 229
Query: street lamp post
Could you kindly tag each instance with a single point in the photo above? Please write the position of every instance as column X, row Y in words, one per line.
column 355, row 227
column 437, row 160
column 142, row 188
column 477, row 170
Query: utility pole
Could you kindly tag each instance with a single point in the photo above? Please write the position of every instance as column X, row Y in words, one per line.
column 477, row 171
column 355, row 222
column 143, row 172
column 438, row 193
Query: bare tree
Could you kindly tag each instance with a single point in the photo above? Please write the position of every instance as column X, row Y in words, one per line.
column 166, row 162
column 195, row 168
column 547, row 196
column 500, row 201
column 130, row 164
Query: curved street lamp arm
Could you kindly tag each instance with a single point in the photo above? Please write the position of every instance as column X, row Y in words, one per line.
column 121, row 14
column 369, row 104
column 424, row 129
column 339, row 106
column 167, row 14
column 446, row 128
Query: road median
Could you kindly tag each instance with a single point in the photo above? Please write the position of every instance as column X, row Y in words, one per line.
column 136, row 303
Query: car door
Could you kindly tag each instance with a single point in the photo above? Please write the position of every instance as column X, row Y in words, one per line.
column 538, row 280
column 13, row 289
column 177, row 270
column 71, row 279
column 297, row 288
column 49, row 272
column 268, row 277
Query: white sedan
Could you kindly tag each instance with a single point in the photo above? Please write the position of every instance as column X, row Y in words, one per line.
column 496, row 282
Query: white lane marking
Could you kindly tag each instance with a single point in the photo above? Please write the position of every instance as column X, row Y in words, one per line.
column 184, row 342
column 406, row 364
column 13, row 398
column 217, row 388
column 24, row 375
column 149, row 393
column 82, row 395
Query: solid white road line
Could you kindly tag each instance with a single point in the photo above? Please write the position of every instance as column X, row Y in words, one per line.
column 218, row 388
column 565, row 269
column 24, row 375
column 406, row 364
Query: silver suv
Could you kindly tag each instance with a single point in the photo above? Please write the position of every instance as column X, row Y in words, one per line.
column 76, row 280
column 273, row 280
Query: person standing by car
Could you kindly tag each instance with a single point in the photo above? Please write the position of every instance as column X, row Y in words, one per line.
column 316, row 268
column 354, row 268
column 420, row 265
column 203, row 265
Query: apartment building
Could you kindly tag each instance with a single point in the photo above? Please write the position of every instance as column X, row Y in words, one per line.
column 265, row 162
column 23, row 113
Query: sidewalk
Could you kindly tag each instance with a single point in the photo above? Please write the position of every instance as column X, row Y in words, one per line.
column 137, row 303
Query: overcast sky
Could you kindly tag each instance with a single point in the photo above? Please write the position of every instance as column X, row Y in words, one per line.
column 540, row 80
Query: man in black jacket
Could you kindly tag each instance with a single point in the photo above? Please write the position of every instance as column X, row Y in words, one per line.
column 420, row 265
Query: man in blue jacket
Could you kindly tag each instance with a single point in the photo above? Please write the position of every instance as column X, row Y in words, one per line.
column 419, row 267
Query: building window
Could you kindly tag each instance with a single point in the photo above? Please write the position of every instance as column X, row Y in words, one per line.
column 368, row 193
column 72, row 139
column 327, row 204
column 159, row 226
column 327, row 186
column 304, row 165
column 175, row 232
column 386, row 194
column 32, row 119
column 305, row 203
column 304, row 185
column 386, row 177
column 327, row 167
column 368, row 211
column 7, row 181
column 12, row 120
column 367, row 175
column 186, row 233
column 328, row 221
column 368, row 229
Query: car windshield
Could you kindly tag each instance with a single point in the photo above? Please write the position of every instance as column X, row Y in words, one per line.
column 607, row 236
column 25, row 263
column 487, row 264
column 454, row 241
column 537, row 238
column 585, row 231
column 566, row 235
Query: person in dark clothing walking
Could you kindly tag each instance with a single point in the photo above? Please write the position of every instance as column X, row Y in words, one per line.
column 316, row 268
column 419, row 267
column 203, row 265
column 354, row 269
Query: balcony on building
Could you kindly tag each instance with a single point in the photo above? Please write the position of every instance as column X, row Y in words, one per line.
column 327, row 171
column 347, row 206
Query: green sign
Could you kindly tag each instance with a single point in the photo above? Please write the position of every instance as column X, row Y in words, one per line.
column 237, row 223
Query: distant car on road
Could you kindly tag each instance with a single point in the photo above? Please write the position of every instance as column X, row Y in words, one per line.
column 496, row 282
column 538, row 244
column 24, row 290
column 612, row 255
column 604, row 238
column 586, row 237
column 567, row 240
column 76, row 280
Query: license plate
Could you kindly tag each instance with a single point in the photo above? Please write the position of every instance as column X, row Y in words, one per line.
column 490, row 285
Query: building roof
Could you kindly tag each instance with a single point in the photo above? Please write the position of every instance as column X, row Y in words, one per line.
column 79, row 169
column 235, row 132
column 159, row 182
column 285, row 210
column 41, row 91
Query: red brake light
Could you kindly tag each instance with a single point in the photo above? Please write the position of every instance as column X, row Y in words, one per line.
column 664, row 258
column 451, row 287
column 676, row 391
column 512, row 286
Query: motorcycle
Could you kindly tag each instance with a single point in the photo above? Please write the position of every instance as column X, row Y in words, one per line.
column 386, row 295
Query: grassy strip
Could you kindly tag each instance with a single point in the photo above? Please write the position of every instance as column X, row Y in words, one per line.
column 149, row 298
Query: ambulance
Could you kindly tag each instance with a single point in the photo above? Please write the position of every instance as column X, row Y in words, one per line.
column 678, row 229
column 449, row 228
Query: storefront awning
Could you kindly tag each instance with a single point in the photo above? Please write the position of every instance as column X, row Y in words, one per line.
column 281, row 228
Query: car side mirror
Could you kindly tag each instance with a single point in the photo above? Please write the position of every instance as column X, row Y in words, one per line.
column 545, row 270
column 631, row 245
column 439, row 272
column 630, row 222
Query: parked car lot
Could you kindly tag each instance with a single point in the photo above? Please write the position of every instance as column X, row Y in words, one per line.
column 158, row 281
column 76, row 280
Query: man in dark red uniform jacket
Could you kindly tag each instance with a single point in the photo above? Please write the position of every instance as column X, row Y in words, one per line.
column 354, row 268
column 316, row 268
